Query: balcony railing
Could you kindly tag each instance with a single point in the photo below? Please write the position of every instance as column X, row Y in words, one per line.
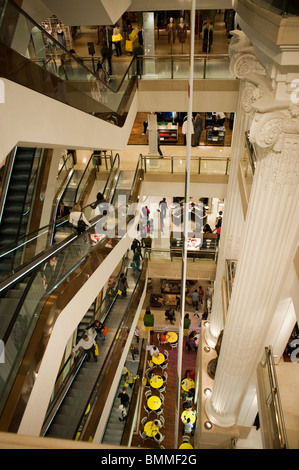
column 280, row 7
column 177, row 165
column 176, row 66
column 272, row 420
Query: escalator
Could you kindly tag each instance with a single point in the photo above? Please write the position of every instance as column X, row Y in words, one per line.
column 27, row 58
column 13, row 221
column 44, row 294
column 66, row 422
column 16, row 199
column 68, row 416
column 14, row 256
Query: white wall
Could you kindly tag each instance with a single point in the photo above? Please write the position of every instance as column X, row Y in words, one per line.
column 30, row 118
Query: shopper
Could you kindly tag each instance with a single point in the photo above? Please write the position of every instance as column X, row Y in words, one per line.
column 124, row 398
column 88, row 344
column 197, row 130
column 137, row 257
column 117, row 38
column 135, row 244
column 78, row 219
column 195, row 299
column 123, row 284
column 163, row 207
column 201, row 294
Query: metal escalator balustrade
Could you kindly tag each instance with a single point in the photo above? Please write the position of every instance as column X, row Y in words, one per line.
column 41, row 63
column 54, row 284
column 28, row 247
column 77, row 378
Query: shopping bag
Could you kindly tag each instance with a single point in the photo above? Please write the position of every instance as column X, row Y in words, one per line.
column 96, row 350
column 117, row 37
column 119, row 292
column 129, row 46
column 133, row 35
column 105, row 330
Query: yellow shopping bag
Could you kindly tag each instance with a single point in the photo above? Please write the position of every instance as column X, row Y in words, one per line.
column 96, row 350
column 133, row 35
column 117, row 37
column 129, row 46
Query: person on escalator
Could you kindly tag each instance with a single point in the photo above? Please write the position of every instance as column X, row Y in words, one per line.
column 88, row 344
column 76, row 216
column 123, row 284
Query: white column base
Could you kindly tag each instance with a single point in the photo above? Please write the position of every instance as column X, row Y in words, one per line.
column 221, row 421
column 210, row 339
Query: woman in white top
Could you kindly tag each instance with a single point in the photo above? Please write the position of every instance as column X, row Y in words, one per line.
column 76, row 215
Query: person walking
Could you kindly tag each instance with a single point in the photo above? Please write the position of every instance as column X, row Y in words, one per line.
column 123, row 284
column 201, row 294
column 124, row 398
column 78, row 219
column 88, row 344
column 135, row 244
column 197, row 130
column 137, row 257
column 195, row 299
column 163, row 207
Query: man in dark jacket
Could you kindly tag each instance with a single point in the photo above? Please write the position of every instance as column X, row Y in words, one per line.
column 197, row 124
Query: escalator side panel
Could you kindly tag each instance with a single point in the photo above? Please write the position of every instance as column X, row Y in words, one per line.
column 67, row 303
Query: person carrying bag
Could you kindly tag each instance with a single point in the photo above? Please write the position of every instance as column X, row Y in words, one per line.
column 116, row 39
column 78, row 219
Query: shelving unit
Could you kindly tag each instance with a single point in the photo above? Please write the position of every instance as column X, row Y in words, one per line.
column 168, row 133
column 215, row 135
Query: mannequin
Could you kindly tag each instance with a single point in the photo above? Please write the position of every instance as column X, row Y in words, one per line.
column 171, row 33
column 207, row 36
column 60, row 35
column 182, row 32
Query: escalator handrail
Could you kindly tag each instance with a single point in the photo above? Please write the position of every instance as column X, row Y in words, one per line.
column 49, row 228
column 83, row 174
column 19, row 306
column 65, row 51
column 78, row 361
column 17, row 387
column 51, row 38
column 9, row 163
column 93, row 397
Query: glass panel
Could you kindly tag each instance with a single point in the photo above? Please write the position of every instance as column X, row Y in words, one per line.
column 218, row 68
column 211, row 166
column 82, row 88
column 280, row 7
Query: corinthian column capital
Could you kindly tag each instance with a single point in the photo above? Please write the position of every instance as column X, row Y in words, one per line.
column 269, row 130
column 243, row 61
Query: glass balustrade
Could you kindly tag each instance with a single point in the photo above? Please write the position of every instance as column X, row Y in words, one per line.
column 177, row 165
column 76, row 84
column 280, row 7
column 31, row 245
column 177, row 67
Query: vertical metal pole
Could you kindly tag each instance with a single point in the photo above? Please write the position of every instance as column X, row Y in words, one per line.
column 185, row 225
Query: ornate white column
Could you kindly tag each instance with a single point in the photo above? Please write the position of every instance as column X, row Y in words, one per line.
column 243, row 64
column 270, row 241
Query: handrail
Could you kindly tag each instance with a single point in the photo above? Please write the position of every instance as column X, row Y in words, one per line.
column 89, row 424
column 251, row 152
column 184, row 56
column 277, row 415
column 181, row 160
column 58, row 45
column 85, row 90
column 78, row 361
column 49, row 304
column 22, row 241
